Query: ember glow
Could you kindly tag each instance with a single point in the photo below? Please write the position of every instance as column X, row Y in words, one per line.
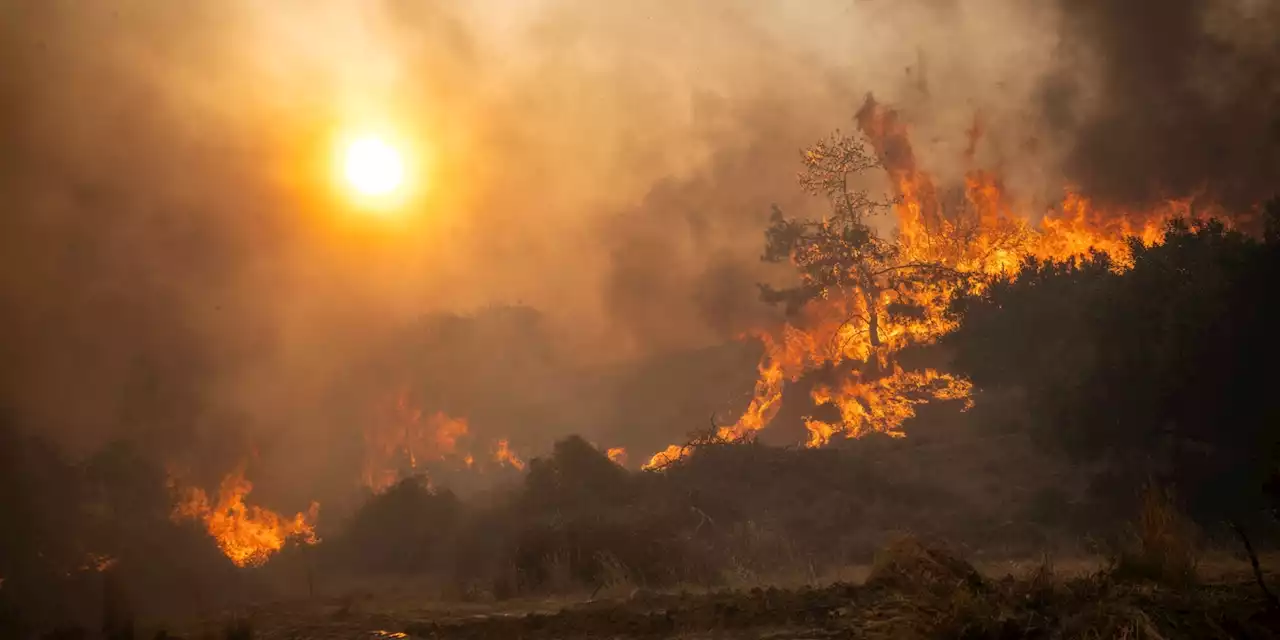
column 247, row 534
column 980, row 231
column 97, row 562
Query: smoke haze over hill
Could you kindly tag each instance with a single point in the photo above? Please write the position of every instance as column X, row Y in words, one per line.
column 177, row 264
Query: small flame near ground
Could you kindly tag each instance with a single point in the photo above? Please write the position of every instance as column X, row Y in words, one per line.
column 247, row 534
column 404, row 440
column 981, row 232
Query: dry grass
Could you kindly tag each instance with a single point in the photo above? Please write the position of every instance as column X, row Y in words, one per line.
column 915, row 589
column 914, row 565
column 615, row 578
column 1162, row 544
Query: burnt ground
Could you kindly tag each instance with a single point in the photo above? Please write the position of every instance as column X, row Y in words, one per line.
column 936, row 598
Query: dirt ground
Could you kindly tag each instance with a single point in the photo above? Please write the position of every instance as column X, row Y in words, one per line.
column 1009, row 600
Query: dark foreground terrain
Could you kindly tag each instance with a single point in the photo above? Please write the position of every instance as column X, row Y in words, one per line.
column 913, row 591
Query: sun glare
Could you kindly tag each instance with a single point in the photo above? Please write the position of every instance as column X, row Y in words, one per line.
column 372, row 167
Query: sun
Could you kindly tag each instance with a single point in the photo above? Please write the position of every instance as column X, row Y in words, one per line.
column 373, row 167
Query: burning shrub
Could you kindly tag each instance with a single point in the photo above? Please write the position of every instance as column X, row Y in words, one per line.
column 69, row 532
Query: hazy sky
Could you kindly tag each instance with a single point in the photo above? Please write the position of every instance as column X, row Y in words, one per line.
column 176, row 249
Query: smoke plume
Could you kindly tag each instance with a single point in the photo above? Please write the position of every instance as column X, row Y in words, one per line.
column 1164, row 99
column 178, row 263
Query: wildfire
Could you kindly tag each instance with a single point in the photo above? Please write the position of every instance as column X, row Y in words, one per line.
column 882, row 405
column 617, row 455
column 976, row 230
column 662, row 458
column 405, row 441
column 247, row 534
column 503, row 455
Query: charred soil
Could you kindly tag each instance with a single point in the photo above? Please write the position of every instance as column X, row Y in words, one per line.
column 914, row 590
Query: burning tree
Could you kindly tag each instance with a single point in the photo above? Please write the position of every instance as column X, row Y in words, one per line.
column 871, row 286
column 883, row 289
column 842, row 256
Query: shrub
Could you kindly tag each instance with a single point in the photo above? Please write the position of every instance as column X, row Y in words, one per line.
column 589, row 553
column 403, row 529
column 912, row 565
column 1161, row 544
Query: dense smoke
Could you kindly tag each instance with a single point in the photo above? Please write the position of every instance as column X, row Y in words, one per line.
column 1163, row 99
column 178, row 263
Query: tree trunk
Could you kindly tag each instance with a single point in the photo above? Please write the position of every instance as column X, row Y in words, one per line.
column 869, row 295
column 873, row 316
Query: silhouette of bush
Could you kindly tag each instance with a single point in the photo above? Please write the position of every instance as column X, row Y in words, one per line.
column 649, row 551
column 580, row 519
column 406, row 529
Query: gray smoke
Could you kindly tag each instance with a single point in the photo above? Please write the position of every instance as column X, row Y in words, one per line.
column 1160, row 98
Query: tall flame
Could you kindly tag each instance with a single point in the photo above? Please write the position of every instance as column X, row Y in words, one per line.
column 247, row 534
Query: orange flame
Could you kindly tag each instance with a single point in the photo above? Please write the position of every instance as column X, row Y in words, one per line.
column 405, row 441
column 884, row 404
column 617, row 455
column 662, row 458
column 504, row 455
column 247, row 534
column 978, row 231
